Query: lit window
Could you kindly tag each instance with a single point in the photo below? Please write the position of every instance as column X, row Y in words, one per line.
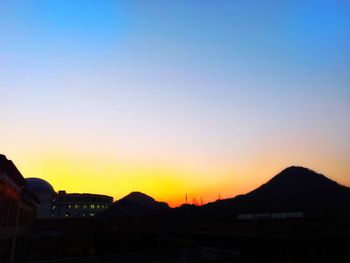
column 98, row 206
column 92, row 206
column 69, row 206
column 84, row 206
column 76, row 206
column 92, row 214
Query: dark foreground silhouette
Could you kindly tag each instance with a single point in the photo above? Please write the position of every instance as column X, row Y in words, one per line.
column 295, row 189
column 297, row 216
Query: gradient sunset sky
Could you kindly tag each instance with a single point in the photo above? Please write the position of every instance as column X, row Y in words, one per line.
column 174, row 97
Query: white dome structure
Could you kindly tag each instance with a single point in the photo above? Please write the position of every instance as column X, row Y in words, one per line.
column 38, row 184
column 45, row 193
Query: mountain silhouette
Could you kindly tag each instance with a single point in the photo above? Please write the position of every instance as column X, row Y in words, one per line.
column 294, row 189
column 135, row 204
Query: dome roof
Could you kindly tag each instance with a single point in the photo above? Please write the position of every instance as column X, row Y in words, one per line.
column 39, row 184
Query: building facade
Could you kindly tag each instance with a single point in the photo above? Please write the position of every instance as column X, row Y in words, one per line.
column 17, row 211
column 66, row 205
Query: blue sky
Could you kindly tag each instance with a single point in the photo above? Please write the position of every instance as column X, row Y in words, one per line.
column 191, row 85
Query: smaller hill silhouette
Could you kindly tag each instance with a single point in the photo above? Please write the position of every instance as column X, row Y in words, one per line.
column 293, row 189
column 135, row 204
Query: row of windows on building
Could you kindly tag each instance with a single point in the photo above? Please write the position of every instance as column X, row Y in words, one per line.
column 74, row 214
column 78, row 206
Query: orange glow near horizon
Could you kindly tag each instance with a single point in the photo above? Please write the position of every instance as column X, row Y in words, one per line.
column 119, row 179
column 90, row 174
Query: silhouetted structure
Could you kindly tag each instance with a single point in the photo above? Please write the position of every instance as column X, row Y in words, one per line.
column 65, row 205
column 45, row 192
column 17, row 211
column 79, row 205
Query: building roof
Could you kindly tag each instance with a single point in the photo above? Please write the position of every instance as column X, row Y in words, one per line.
column 38, row 184
column 83, row 197
column 9, row 167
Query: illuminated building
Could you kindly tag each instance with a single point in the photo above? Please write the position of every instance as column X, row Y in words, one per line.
column 79, row 205
column 64, row 205
column 17, row 211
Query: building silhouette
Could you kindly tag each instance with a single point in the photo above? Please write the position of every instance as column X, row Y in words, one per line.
column 66, row 205
column 45, row 193
column 17, row 211
column 75, row 205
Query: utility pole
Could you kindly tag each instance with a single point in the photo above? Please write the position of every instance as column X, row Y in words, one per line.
column 186, row 212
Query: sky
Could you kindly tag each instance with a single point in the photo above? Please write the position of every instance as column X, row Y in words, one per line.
column 208, row 98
